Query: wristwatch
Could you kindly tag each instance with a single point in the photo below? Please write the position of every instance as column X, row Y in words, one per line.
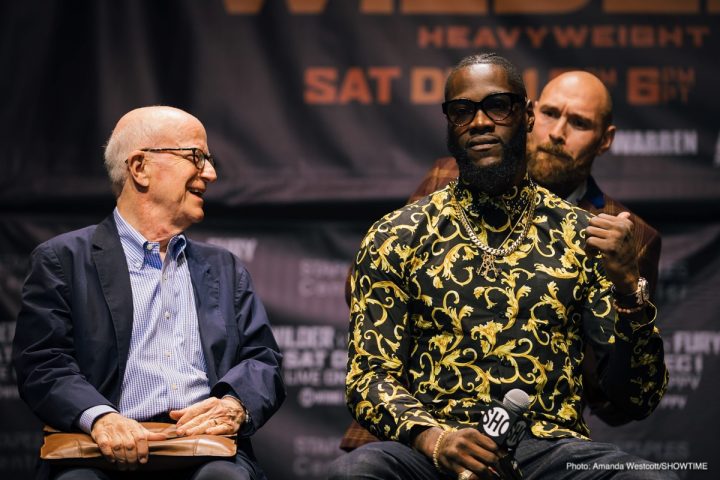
column 642, row 294
column 639, row 297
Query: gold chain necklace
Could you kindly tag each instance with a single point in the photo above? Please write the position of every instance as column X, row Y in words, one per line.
column 490, row 254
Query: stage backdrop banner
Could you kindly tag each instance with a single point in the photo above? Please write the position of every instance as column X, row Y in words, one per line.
column 317, row 100
column 299, row 270
column 324, row 115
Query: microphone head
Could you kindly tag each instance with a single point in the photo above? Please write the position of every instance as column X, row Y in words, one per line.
column 516, row 401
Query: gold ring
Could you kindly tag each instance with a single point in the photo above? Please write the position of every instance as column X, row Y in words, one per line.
column 464, row 475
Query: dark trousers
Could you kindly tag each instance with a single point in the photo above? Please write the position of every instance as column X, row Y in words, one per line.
column 551, row 459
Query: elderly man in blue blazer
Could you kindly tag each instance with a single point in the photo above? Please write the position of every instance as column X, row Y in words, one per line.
column 129, row 320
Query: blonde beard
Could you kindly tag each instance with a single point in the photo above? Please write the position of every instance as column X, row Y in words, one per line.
column 558, row 175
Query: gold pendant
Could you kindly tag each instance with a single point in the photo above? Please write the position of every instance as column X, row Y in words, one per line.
column 488, row 267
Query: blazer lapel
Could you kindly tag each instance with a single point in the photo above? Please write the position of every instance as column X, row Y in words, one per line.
column 111, row 265
column 210, row 323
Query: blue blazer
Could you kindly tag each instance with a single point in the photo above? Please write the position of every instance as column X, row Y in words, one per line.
column 73, row 331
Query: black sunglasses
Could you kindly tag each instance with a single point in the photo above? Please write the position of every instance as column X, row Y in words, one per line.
column 497, row 107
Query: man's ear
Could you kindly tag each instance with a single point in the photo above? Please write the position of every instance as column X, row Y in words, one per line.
column 606, row 140
column 137, row 168
column 530, row 112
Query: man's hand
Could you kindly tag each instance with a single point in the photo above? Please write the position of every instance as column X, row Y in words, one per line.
column 461, row 450
column 123, row 441
column 613, row 237
column 213, row 416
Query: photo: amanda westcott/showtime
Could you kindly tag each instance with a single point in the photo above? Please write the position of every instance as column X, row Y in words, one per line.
column 639, row 466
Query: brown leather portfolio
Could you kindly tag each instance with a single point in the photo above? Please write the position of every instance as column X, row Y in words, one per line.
column 175, row 452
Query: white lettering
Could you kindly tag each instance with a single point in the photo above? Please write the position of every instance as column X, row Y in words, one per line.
column 655, row 142
column 672, row 401
column 289, row 336
column 243, row 248
column 302, row 377
column 310, row 397
column 305, row 358
column 697, row 341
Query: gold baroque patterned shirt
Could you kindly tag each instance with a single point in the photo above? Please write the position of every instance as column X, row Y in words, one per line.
column 432, row 340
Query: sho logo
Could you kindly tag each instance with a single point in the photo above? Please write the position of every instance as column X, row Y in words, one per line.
column 516, row 434
column 496, row 421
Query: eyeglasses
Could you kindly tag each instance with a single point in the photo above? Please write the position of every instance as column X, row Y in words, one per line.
column 198, row 156
column 497, row 107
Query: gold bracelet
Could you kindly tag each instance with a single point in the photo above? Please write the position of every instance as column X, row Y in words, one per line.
column 626, row 311
column 436, row 450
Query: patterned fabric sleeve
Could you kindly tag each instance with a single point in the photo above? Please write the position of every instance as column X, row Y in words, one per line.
column 629, row 351
column 379, row 344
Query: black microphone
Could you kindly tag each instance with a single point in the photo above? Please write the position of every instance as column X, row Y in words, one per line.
column 504, row 423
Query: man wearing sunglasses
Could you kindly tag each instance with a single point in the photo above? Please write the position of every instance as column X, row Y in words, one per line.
column 573, row 126
column 491, row 284
column 130, row 320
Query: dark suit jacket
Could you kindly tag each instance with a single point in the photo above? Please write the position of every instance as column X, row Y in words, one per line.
column 73, row 331
column 647, row 245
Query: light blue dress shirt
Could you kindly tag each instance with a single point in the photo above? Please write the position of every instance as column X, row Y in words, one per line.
column 166, row 367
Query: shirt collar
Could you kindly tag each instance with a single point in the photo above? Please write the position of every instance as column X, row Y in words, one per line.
column 139, row 251
column 577, row 194
column 513, row 201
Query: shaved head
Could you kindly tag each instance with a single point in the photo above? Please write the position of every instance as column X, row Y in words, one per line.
column 573, row 125
column 588, row 85
column 140, row 128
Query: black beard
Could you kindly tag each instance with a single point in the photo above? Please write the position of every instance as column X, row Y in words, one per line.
column 496, row 179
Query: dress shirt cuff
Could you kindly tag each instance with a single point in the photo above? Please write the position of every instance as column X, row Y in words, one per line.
column 628, row 328
column 88, row 417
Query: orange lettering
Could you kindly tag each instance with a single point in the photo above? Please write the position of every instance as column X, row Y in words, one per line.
column 570, row 35
column 384, row 77
column 537, row 35
column 432, row 37
column 306, row 6
column 480, row 7
column 508, row 39
column 642, row 36
column 643, row 86
column 608, row 77
column 355, row 87
column 622, row 36
column 656, row 6
column 667, row 36
column 458, row 7
column 320, row 85
column 243, row 7
column 538, row 6
column 685, row 76
column 697, row 34
column 252, row 7
column 427, row 85
column 377, row 6
column 457, row 37
column 602, row 36
column 484, row 38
